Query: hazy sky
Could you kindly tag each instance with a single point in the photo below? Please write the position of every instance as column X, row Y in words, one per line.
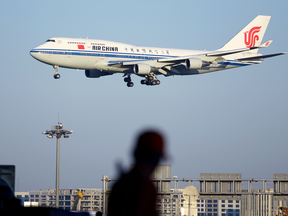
column 232, row 121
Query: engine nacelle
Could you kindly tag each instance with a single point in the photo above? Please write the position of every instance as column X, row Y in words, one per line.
column 95, row 73
column 195, row 63
column 143, row 69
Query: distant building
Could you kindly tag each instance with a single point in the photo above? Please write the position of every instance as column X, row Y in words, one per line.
column 92, row 200
column 23, row 196
column 169, row 203
column 221, row 194
column 218, row 207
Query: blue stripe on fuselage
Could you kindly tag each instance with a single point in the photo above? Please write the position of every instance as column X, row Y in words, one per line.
column 99, row 53
column 125, row 55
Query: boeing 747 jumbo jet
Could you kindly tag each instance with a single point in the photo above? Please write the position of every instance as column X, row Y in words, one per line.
column 101, row 58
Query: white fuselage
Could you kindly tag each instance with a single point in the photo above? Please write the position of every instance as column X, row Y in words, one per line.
column 89, row 54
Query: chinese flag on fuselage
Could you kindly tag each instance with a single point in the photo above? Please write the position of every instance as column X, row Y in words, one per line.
column 81, row 47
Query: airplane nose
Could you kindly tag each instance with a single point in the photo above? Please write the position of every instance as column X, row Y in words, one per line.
column 33, row 53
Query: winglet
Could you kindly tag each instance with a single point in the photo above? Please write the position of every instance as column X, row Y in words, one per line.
column 266, row 44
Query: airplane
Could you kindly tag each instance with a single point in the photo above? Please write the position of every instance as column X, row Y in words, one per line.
column 101, row 58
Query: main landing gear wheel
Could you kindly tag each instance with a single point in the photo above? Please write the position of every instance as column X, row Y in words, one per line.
column 151, row 79
column 129, row 81
column 143, row 82
column 130, row 84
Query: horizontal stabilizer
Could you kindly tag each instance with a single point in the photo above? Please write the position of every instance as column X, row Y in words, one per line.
column 255, row 58
column 266, row 44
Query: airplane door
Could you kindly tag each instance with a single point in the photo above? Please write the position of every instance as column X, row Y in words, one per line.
column 102, row 54
column 88, row 57
column 88, row 45
column 69, row 54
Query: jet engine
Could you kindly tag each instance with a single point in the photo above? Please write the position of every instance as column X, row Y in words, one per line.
column 195, row 63
column 95, row 73
column 143, row 69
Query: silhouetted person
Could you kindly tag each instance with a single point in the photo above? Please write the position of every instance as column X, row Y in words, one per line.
column 135, row 194
column 99, row 213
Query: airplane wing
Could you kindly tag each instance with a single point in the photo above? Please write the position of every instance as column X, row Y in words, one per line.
column 169, row 64
column 126, row 63
column 214, row 53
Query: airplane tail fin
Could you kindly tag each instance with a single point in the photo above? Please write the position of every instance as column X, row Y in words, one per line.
column 249, row 36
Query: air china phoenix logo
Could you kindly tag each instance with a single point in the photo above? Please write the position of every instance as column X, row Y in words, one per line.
column 251, row 36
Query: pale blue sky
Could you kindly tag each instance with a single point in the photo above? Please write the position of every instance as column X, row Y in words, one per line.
column 228, row 121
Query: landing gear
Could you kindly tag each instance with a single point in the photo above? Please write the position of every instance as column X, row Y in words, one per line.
column 151, row 79
column 130, row 84
column 129, row 81
column 143, row 82
column 56, row 75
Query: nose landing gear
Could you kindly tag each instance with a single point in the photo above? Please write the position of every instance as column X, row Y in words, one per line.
column 56, row 75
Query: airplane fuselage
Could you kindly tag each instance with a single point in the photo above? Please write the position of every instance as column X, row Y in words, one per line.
column 89, row 54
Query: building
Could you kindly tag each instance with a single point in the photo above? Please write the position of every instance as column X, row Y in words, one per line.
column 219, row 195
column 23, row 196
column 167, row 204
column 91, row 201
column 218, row 207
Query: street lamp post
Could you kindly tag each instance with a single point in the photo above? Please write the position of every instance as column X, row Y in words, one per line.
column 57, row 131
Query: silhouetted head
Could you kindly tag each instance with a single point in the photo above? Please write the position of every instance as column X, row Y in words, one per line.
column 7, row 199
column 99, row 213
column 149, row 148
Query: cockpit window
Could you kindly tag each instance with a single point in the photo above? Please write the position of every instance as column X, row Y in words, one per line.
column 50, row 40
